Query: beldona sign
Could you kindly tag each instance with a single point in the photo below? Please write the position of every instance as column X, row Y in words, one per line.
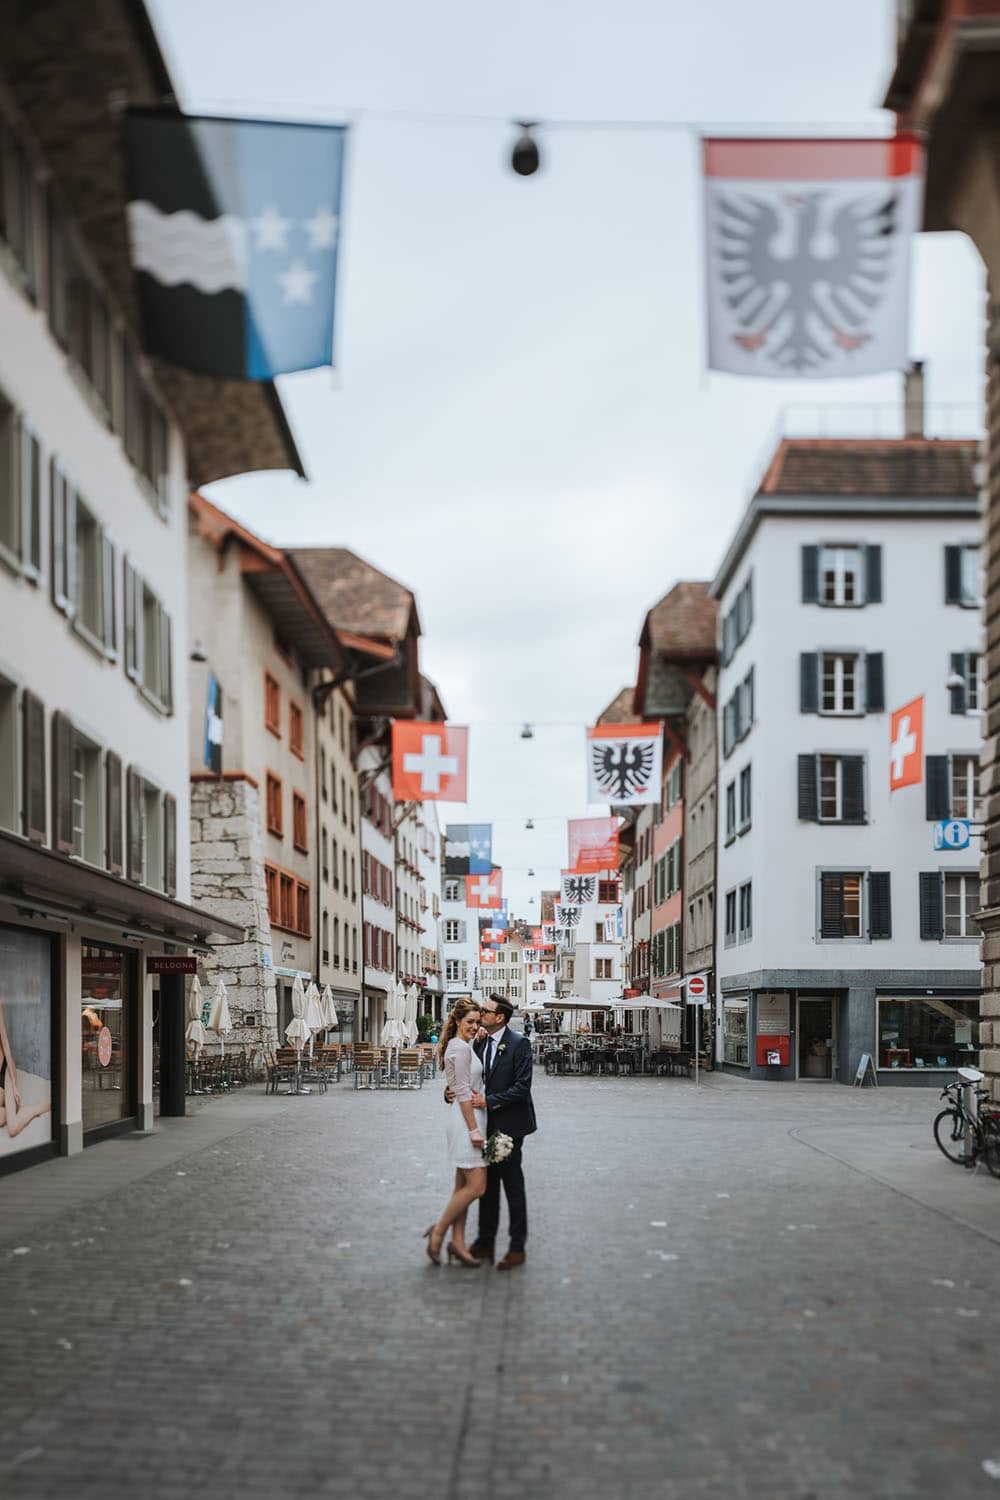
column 624, row 763
column 808, row 246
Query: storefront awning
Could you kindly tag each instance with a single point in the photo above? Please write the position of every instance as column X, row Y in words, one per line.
column 38, row 882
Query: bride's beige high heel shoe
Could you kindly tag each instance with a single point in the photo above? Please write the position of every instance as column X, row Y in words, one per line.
column 462, row 1256
column 432, row 1254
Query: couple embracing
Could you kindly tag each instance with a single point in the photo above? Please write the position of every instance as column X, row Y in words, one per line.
column 488, row 1071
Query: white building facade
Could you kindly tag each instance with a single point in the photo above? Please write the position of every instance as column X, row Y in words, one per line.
column 459, row 942
column 850, row 589
column 378, row 886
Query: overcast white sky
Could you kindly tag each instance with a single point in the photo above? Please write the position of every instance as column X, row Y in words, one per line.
column 520, row 427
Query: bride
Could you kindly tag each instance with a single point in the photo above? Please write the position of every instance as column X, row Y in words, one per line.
column 465, row 1131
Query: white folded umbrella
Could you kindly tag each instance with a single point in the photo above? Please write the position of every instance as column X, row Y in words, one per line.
column 330, row 1018
column 195, row 1031
column 219, row 1019
column 410, row 1030
column 313, row 1013
column 297, row 1031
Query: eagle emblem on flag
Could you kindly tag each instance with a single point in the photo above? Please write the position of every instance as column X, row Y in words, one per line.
column 579, row 890
column 568, row 916
column 623, row 770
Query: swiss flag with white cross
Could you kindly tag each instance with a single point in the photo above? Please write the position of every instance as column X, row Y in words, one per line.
column 906, row 745
column 429, row 762
column 484, row 891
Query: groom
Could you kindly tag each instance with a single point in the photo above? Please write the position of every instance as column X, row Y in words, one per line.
column 506, row 1059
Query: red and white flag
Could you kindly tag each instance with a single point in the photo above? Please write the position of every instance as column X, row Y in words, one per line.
column 484, row 891
column 429, row 762
column 624, row 763
column 906, row 745
column 593, row 844
column 808, row 245
column 487, row 956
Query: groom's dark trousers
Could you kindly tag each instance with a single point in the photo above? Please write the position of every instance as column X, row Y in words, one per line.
column 509, row 1109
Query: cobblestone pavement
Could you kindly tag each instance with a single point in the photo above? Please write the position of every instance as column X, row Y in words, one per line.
column 722, row 1299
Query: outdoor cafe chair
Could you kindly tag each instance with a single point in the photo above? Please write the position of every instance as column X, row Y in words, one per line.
column 409, row 1073
column 367, row 1069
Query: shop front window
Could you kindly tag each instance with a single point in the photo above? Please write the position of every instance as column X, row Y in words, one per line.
column 736, row 1046
column 924, row 1031
column 105, row 1037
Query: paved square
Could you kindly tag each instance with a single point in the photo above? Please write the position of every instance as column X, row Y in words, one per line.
column 744, row 1290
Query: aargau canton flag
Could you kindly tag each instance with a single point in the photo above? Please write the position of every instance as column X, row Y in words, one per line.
column 234, row 228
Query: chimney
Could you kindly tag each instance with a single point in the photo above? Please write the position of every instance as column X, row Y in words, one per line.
column 913, row 400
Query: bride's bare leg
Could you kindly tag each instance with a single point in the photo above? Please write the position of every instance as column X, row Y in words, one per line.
column 458, row 1231
column 466, row 1192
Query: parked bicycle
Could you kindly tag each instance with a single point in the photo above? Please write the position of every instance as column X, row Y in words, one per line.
column 966, row 1137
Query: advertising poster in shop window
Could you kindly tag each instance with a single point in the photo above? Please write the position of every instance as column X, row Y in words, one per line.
column 25, row 1040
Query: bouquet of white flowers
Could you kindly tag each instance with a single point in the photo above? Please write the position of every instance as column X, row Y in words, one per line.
column 497, row 1148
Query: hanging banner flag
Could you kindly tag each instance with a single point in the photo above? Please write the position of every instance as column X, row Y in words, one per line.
column 234, row 228
column 213, row 725
column 531, row 955
column 624, row 763
column 537, row 937
column 906, row 745
column 808, row 245
column 568, row 916
column 487, row 956
column 428, row 762
column 484, row 891
column 613, row 926
column 593, row 844
column 577, row 890
column 468, row 849
column 548, row 935
column 493, row 928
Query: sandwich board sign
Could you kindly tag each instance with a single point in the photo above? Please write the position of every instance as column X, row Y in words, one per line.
column 866, row 1066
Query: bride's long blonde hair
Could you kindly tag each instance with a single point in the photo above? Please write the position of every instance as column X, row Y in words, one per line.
column 459, row 1011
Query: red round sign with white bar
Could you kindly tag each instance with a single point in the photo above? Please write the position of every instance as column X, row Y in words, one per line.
column 104, row 1046
column 697, row 987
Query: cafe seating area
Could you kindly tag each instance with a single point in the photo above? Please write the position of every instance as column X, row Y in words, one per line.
column 597, row 1055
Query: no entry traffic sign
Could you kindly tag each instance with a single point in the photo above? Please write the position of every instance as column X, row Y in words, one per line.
column 696, row 989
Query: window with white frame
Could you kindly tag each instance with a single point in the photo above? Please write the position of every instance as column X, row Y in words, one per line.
column 602, row 968
column 20, row 493
column 148, row 641
column 839, row 683
column 967, row 695
column 736, row 1043
column 10, row 800
column 746, row 912
column 745, row 806
column 730, row 812
column 965, row 801
column 452, row 890
column 84, row 567
column 840, row 575
column 971, row 577
column 730, row 915
column 961, row 904
column 454, row 932
column 454, row 970
column 831, row 789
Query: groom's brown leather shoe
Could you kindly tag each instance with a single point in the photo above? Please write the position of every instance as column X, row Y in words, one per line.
column 482, row 1252
column 511, row 1259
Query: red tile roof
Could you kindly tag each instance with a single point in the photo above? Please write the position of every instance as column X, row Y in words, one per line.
column 621, row 709
column 355, row 595
column 682, row 626
column 872, row 466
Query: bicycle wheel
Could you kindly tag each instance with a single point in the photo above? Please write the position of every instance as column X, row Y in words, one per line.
column 991, row 1144
column 949, row 1132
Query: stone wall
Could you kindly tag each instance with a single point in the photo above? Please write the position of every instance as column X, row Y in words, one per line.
column 227, row 878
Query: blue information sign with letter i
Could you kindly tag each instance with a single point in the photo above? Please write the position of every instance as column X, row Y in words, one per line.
column 952, row 833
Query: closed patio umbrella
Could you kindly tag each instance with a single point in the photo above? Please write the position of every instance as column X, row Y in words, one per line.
column 313, row 1013
column 219, row 1020
column 395, row 1006
column 410, row 1016
column 195, row 1031
column 330, row 1018
column 297, row 1031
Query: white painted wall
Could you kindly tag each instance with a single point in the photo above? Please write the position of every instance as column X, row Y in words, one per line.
column 467, row 949
column 916, row 631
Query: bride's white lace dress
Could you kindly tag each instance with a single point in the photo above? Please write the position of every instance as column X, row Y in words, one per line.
column 464, row 1074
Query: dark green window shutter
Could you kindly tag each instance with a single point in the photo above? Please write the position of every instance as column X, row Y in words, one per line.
column 809, row 682
column 831, row 906
column 853, row 773
column 62, row 784
column 931, row 905
column 873, row 575
column 957, row 695
column 810, row 575
column 808, row 789
column 937, row 776
column 874, row 683
column 953, row 575
column 879, row 905
column 134, row 820
column 33, row 768
column 170, row 843
column 113, row 807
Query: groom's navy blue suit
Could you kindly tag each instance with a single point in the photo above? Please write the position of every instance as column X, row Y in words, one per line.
column 507, row 1086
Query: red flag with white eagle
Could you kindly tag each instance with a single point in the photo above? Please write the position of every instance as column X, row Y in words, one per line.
column 808, row 246
column 484, row 892
column 624, row 763
column 429, row 762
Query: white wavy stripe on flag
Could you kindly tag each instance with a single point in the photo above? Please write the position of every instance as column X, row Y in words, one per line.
column 209, row 254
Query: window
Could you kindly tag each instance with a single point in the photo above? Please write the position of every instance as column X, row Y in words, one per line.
column 841, row 576
column 730, row 812
column 85, row 570
column 674, row 783
column 451, row 890
column 9, row 792
column 300, row 830
column 831, row 788
column 738, row 714
column 274, row 805
column 354, row 951
column 325, row 931
column 296, row 731
column 949, row 902
column 19, row 208
column 659, row 881
column 735, row 1038
column 273, row 906
column 965, row 787
column 602, row 968
column 966, row 696
column 744, row 799
column 272, row 709
column 145, row 431
column 854, row 904
column 151, row 820
column 927, row 1031
column 737, row 621
column 454, row 932
column 607, row 892
column 148, row 641
column 78, row 793
column 952, row 787
column 303, row 909
column 20, row 494
column 730, row 927
column 286, row 902
column 746, row 912
column 963, row 582
column 323, row 790
column 839, row 684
